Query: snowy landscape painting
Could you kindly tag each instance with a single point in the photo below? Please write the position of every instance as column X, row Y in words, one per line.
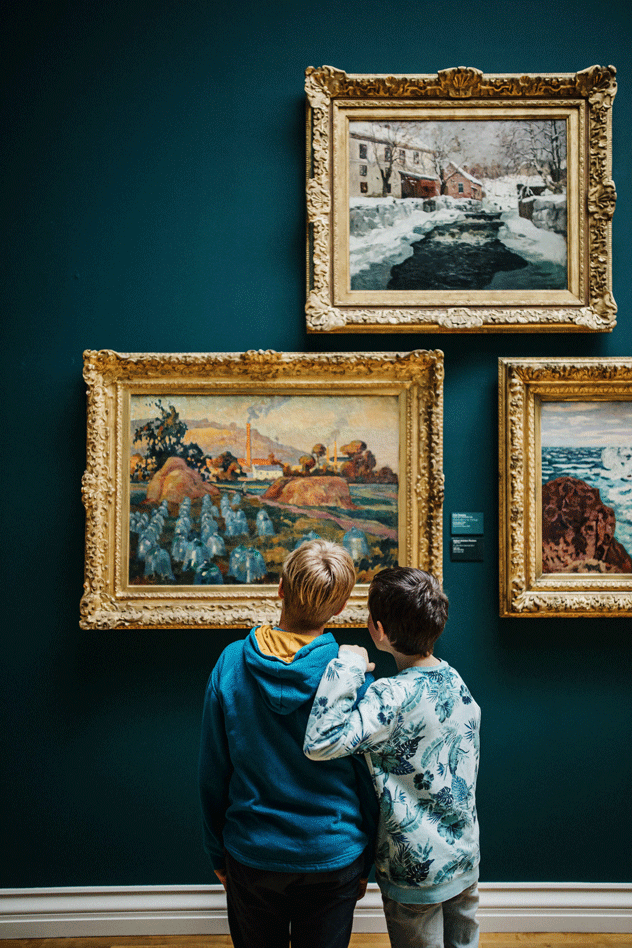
column 457, row 205
column 223, row 487
column 459, row 201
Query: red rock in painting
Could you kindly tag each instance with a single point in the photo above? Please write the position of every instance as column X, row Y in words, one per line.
column 578, row 530
column 311, row 492
column 176, row 480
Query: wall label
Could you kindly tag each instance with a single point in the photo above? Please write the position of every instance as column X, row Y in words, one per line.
column 467, row 549
column 466, row 524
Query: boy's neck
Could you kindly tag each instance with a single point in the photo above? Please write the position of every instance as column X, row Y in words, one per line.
column 286, row 625
column 414, row 661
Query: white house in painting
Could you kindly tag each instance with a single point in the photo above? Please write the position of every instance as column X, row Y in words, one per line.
column 380, row 164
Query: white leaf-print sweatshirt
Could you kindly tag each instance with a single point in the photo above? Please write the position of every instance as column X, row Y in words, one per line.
column 419, row 732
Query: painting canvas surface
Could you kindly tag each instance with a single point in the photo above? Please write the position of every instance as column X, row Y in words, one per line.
column 586, row 458
column 223, row 487
column 457, row 205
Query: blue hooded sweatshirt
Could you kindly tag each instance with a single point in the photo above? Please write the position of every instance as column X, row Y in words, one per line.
column 262, row 799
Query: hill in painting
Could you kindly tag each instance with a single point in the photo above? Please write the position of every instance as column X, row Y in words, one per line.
column 214, row 439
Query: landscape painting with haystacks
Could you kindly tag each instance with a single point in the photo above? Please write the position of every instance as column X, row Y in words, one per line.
column 223, row 487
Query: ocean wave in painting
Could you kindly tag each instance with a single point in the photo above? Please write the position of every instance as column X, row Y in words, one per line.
column 609, row 469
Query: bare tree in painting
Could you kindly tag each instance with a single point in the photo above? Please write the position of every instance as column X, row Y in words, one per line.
column 384, row 144
column 447, row 147
column 537, row 148
column 557, row 152
column 388, row 142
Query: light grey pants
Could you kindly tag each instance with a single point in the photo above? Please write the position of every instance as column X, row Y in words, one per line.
column 449, row 924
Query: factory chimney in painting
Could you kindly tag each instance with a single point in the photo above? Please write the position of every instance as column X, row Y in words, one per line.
column 248, row 447
column 335, row 456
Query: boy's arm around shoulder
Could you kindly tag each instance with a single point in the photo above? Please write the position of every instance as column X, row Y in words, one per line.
column 339, row 723
column 214, row 771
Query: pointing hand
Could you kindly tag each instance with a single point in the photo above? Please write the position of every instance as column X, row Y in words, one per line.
column 359, row 650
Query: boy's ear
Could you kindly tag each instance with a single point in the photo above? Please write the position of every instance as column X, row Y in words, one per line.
column 281, row 596
column 380, row 628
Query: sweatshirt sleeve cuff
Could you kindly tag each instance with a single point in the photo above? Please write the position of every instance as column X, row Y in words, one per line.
column 353, row 660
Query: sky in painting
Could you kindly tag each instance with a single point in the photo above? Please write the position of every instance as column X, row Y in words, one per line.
column 296, row 420
column 586, row 424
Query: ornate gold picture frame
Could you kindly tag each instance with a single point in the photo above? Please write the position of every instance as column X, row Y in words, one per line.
column 205, row 470
column 565, row 435
column 459, row 202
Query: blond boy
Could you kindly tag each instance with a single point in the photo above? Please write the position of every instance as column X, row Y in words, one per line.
column 291, row 840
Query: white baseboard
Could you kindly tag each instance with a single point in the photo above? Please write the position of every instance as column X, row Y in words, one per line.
column 201, row 910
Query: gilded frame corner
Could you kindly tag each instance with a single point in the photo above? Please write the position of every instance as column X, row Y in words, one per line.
column 582, row 100
column 524, row 385
column 110, row 601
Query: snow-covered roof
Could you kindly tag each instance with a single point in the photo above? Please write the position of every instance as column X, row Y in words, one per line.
column 379, row 140
column 419, row 175
column 465, row 174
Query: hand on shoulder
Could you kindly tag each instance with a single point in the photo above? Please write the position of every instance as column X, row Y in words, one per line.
column 359, row 650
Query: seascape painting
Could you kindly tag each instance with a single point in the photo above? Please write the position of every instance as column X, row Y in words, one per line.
column 458, row 205
column 223, row 487
column 586, row 454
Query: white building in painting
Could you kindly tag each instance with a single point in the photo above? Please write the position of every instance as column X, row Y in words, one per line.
column 378, row 164
column 260, row 470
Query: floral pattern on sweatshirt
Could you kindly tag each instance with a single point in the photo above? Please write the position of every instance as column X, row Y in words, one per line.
column 419, row 732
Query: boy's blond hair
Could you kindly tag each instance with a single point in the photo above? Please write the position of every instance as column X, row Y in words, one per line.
column 317, row 580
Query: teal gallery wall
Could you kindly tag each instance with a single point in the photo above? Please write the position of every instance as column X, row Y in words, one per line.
column 154, row 201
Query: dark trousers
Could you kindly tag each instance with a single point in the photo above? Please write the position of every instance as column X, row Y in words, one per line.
column 319, row 906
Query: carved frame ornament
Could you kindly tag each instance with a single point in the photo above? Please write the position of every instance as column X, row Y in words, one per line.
column 582, row 100
column 109, row 601
column 524, row 385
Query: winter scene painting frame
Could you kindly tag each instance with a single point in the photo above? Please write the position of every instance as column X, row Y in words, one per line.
column 205, row 470
column 565, row 435
column 459, row 202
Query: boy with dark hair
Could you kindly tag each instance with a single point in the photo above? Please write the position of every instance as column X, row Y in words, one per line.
column 291, row 840
column 419, row 732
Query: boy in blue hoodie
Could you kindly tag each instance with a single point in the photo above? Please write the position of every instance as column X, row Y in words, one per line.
column 291, row 840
